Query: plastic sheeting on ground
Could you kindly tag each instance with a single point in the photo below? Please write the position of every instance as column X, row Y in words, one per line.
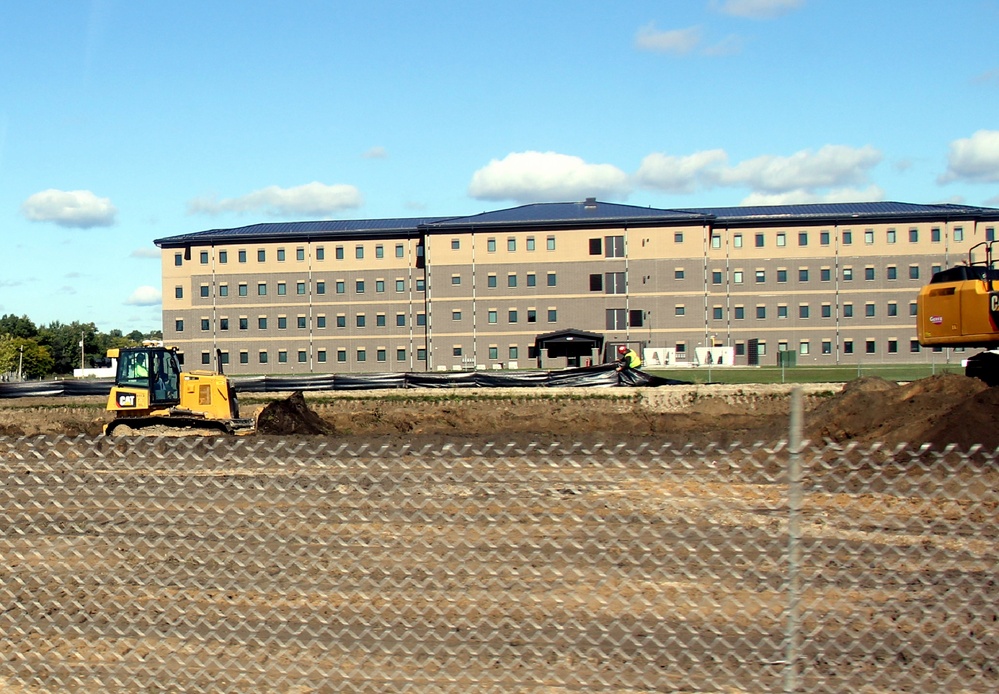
column 603, row 376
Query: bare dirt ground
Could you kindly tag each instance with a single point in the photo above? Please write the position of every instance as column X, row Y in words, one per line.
column 524, row 572
column 940, row 410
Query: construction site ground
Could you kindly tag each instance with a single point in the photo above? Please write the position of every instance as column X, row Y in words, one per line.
column 679, row 517
column 939, row 410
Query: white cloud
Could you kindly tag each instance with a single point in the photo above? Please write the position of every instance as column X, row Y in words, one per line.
column 758, row 9
column 144, row 296
column 872, row 193
column 376, row 153
column 680, row 174
column 312, row 199
column 832, row 165
column 974, row 158
column 676, row 41
column 804, row 173
column 69, row 208
column 545, row 176
column 146, row 253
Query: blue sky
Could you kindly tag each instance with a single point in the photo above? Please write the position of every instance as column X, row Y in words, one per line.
column 122, row 122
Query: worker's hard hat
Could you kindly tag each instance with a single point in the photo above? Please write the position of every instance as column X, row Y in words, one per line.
column 622, row 349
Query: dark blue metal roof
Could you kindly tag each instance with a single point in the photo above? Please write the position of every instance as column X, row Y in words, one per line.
column 578, row 214
column 346, row 228
column 839, row 210
column 571, row 213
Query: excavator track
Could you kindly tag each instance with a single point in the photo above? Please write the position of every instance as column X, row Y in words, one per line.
column 168, row 426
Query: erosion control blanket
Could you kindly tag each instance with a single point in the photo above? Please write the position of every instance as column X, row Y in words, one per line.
column 604, row 376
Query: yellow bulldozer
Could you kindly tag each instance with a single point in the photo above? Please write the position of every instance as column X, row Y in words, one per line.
column 151, row 390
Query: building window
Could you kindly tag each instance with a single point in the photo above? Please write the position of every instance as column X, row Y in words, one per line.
column 302, row 322
column 223, row 323
column 552, row 315
column 737, row 277
column 552, row 279
column 827, row 346
column 716, row 312
column 455, row 315
column 550, row 243
column 359, row 252
column 823, row 238
column 400, row 250
column 716, row 277
column 890, row 236
column 244, row 357
column 262, row 289
column 680, row 310
column 891, row 272
column 596, row 246
column 511, row 244
column 362, row 354
column 913, row 235
column 400, row 354
column 803, row 274
column 737, row 241
column 848, row 310
column 178, row 292
column 781, row 310
column 379, row 286
column 299, row 254
column 869, row 236
column 204, row 291
column 715, row 241
column 282, row 322
column 869, row 310
column 847, row 274
column 360, row 320
column 282, row 356
column 302, row 356
column 759, row 240
column 178, row 259
column 300, row 288
column 242, row 290
column 781, row 240
column 532, row 279
column 870, row 347
column 847, row 346
column 338, row 252
column 379, row 320
column 321, row 356
column 244, row 323
column 280, row 255
column 320, row 287
column 802, row 238
column 677, row 237
column 456, row 351
column 868, row 273
column 613, row 246
column 803, row 311
column 825, row 274
column 739, row 312
column 206, row 324
column 204, row 257
column 761, row 312
column 320, row 253
column 615, row 319
column 826, row 311
column 847, row 238
column 320, row 322
column 261, row 255
column 892, row 309
column 935, row 235
column 958, row 234
column 262, row 323
column 492, row 316
column 262, row 357
column 400, row 320
column 511, row 280
column 892, row 346
column 614, row 283
column 804, row 347
column 282, row 289
column 400, row 285
column 456, row 279
column 206, row 358
column 341, row 355
column 761, row 276
column 491, row 245
column 421, row 319
column 512, row 315
column 178, row 325
column 679, row 274
column 530, row 243
column 493, row 352
column 781, row 276
column 913, row 272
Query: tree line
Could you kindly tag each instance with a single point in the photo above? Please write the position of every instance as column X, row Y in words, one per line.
column 57, row 348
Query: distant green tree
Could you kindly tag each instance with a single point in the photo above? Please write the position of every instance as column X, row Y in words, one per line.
column 17, row 326
column 64, row 343
column 34, row 360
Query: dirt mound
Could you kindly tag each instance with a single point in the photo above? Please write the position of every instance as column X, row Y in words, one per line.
column 939, row 410
column 291, row 416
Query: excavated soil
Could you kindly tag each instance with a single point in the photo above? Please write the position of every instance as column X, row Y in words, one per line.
column 939, row 410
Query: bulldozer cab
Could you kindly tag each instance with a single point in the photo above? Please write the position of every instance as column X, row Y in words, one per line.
column 155, row 370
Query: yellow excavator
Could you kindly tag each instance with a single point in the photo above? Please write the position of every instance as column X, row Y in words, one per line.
column 150, row 390
column 960, row 308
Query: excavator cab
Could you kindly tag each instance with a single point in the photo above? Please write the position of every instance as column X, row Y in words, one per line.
column 150, row 390
column 960, row 308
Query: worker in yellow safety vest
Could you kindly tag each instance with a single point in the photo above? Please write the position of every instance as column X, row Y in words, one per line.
column 628, row 358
